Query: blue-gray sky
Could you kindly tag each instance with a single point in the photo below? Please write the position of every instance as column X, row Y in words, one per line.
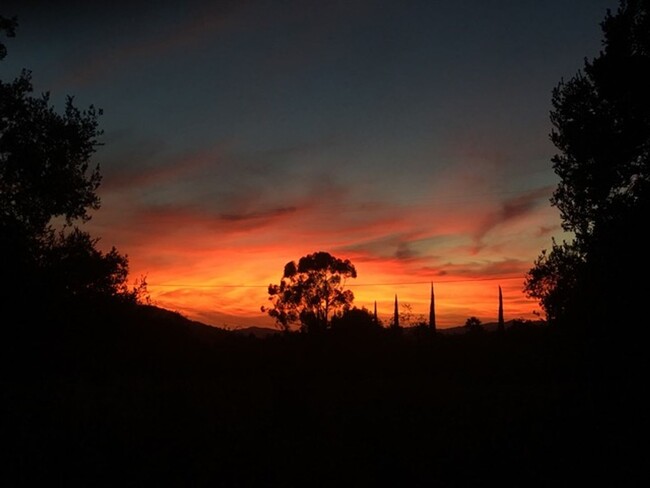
column 408, row 136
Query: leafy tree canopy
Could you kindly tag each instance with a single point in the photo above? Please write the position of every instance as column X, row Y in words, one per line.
column 8, row 26
column 355, row 321
column 474, row 324
column 601, row 122
column 601, row 127
column 311, row 292
column 47, row 188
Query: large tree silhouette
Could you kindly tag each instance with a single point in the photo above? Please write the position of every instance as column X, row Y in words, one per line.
column 311, row 291
column 601, row 126
column 47, row 188
column 8, row 27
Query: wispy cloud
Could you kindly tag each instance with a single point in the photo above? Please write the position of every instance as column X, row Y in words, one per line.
column 162, row 171
column 164, row 41
column 257, row 215
column 513, row 208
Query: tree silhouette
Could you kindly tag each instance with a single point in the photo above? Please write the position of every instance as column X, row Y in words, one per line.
column 47, row 188
column 311, row 291
column 501, row 327
column 601, row 120
column 554, row 279
column 77, row 269
column 432, row 311
column 355, row 322
column 394, row 324
column 473, row 324
column 8, row 26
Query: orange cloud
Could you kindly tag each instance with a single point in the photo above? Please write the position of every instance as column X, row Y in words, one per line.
column 213, row 255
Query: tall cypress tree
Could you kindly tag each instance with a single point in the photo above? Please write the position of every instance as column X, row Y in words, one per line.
column 432, row 311
column 396, row 314
column 501, row 326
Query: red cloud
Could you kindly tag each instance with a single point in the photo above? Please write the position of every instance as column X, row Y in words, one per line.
column 204, row 261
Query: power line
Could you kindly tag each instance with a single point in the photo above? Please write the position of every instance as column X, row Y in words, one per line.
column 182, row 285
column 468, row 280
column 438, row 282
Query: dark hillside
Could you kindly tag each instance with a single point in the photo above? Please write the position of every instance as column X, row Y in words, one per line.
column 145, row 397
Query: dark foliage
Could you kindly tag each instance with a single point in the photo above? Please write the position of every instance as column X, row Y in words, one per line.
column 554, row 280
column 103, row 392
column 8, row 26
column 47, row 188
column 474, row 325
column 138, row 396
column 601, row 120
column 355, row 322
column 311, row 292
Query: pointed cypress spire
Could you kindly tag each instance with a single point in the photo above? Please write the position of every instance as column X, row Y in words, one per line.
column 396, row 315
column 432, row 311
column 501, row 326
column 375, row 314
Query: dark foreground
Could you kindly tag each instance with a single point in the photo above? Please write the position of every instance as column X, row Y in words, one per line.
column 133, row 401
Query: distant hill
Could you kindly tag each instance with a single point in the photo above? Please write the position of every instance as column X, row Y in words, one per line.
column 165, row 320
column 264, row 332
column 162, row 314
column 171, row 321
column 492, row 326
column 259, row 332
column 230, row 321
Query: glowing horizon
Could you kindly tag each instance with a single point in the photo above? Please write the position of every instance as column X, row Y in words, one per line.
column 412, row 141
column 194, row 302
column 217, row 270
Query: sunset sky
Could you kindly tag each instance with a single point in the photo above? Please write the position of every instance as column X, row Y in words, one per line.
column 410, row 137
